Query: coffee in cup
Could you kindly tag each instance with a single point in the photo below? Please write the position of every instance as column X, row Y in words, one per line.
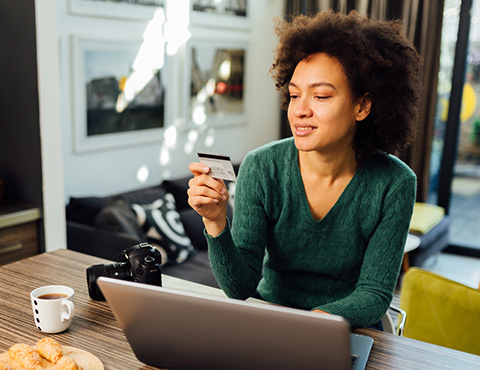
column 53, row 296
column 53, row 308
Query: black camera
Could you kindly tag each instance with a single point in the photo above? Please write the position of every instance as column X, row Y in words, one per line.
column 139, row 263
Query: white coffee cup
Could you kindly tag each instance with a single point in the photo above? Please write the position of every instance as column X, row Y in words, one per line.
column 53, row 308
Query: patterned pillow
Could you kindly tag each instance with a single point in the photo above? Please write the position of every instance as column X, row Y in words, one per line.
column 161, row 223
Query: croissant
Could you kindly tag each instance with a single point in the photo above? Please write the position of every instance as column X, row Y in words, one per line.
column 50, row 349
column 25, row 355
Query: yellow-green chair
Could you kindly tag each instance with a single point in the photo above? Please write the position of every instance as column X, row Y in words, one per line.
column 441, row 311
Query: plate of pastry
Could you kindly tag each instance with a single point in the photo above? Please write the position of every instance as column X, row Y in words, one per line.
column 48, row 354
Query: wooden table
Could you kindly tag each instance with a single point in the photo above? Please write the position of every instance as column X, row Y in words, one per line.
column 94, row 328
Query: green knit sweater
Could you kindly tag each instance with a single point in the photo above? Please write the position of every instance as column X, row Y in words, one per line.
column 346, row 264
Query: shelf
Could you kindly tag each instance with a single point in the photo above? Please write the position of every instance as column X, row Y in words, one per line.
column 12, row 215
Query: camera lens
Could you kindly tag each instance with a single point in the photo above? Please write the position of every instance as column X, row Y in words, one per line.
column 113, row 270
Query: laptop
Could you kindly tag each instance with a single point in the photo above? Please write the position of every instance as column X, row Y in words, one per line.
column 175, row 329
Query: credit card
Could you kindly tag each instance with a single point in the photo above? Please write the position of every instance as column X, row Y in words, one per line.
column 221, row 166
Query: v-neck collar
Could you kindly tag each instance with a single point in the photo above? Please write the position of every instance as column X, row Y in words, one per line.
column 300, row 187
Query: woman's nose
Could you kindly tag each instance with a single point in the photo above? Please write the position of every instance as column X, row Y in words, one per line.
column 302, row 108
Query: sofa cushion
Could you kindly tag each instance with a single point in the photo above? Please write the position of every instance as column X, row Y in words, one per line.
column 85, row 209
column 178, row 188
column 161, row 223
column 117, row 215
column 425, row 217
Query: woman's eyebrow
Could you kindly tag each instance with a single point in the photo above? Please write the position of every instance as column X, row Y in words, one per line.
column 315, row 84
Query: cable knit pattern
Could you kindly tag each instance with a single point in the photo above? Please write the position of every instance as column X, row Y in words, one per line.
column 345, row 264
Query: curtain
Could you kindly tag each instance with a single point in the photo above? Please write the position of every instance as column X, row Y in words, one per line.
column 422, row 20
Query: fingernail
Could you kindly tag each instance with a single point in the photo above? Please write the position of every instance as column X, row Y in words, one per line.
column 205, row 169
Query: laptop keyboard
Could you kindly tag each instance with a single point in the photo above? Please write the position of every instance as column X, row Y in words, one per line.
column 354, row 361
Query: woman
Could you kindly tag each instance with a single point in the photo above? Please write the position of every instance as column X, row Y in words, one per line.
column 321, row 218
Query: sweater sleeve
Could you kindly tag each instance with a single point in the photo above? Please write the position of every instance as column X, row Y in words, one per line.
column 236, row 255
column 380, row 269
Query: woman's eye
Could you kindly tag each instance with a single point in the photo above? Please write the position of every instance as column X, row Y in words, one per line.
column 293, row 96
column 321, row 97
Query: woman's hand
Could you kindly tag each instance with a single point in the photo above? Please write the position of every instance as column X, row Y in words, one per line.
column 208, row 197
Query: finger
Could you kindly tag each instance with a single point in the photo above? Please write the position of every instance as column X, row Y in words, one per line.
column 220, row 181
column 197, row 202
column 207, row 192
column 206, row 206
column 208, row 181
column 198, row 168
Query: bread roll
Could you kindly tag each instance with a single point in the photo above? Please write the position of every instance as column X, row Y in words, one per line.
column 50, row 349
column 66, row 363
column 25, row 355
column 4, row 366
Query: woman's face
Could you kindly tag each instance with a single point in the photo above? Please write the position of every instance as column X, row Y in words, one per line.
column 322, row 111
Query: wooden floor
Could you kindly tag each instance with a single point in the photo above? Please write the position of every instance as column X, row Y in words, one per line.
column 465, row 205
column 464, row 269
column 465, row 215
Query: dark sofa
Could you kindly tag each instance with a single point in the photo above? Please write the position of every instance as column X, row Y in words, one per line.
column 105, row 226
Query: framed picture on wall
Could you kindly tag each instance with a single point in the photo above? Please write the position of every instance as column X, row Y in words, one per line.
column 118, row 92
column 220, row 13
column 128, row 9
column 215, row 77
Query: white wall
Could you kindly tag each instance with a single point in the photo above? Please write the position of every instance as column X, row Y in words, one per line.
column 50, row 125
column 110, row 171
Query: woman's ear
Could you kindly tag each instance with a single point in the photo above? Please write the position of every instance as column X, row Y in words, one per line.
column 365, row 103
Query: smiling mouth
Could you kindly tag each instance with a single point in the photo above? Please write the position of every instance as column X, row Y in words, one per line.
column 308, row 128
column 303, row 130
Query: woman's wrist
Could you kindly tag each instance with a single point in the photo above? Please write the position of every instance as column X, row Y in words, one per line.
column 215, row 227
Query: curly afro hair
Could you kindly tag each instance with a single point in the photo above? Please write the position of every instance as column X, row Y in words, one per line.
column 377, row 59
